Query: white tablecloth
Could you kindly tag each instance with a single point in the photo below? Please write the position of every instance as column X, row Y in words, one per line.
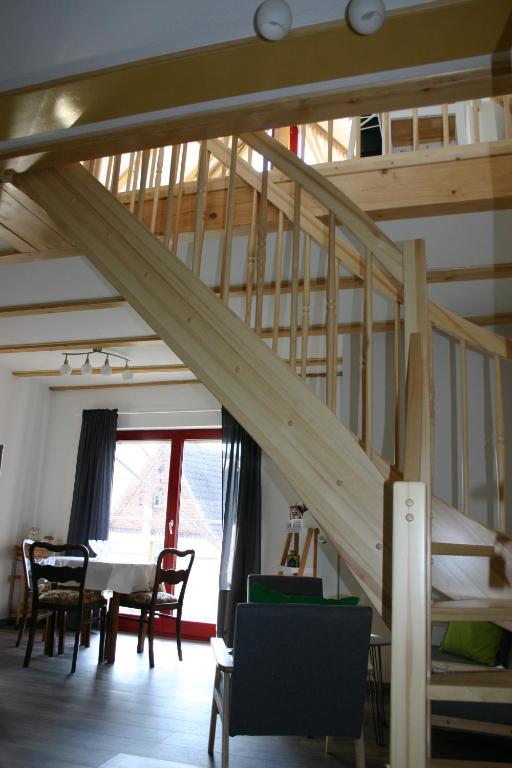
column 118, row 577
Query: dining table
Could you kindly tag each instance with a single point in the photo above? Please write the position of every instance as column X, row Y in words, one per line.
column 107, row 574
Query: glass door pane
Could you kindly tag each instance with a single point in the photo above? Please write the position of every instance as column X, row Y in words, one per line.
column 139, row 499
column 200, row 526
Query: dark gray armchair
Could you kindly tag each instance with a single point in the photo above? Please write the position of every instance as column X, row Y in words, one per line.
column 295, row 670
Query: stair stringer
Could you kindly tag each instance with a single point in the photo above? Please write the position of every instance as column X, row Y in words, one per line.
column 317, row 454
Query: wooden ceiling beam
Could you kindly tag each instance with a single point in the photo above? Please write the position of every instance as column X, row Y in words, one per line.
column 10, row 257
column 56, row 307
column 58, row 346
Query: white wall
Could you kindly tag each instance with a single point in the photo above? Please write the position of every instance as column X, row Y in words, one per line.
column 24, row 409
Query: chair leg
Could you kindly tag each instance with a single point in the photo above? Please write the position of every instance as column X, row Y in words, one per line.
column 142, row 632
column 23, row 619
column 49, row 640
column 103, row 619
column 151, row 621
column 76, row 643
column 359, row 749
column 226, row 703
column 62, row 632
column 215, row 712
column 178, row 634
column 31, row 636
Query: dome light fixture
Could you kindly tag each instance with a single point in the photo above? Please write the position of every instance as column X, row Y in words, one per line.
column 366, row 16
column 273, row 19
column 106, row 369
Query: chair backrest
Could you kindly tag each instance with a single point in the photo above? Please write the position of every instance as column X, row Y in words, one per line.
column 299, row 669
column 287, row 585
column 40, row 552
column 176, row 575
column 59, row 574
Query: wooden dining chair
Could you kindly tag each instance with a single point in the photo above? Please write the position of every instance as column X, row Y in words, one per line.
column 27, row 585
column 62, row 598
column 159, row 602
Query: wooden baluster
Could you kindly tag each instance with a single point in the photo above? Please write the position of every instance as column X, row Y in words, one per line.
column 415, row 130
column 251, row 255
column 129, row 172
column 294, row 299
column 475, row 121
column 357, row 136
column 464, row 426
column 173, row 169
column 306, row 289
column 110, row 163
column 446, row 126
column 303, row 132
column 332, row 315
column 507, row 117
column 330, row 131
column 177, row 215
column 228, row 227
column 143, row 181
column 500, row 446
column 261, row 247
column 278, row 276
column 367, row 357
column 136, row 167
column 114, row 183
column 386, row 131
column 93, row 166
column 398, row 355
column 201, row 192
column 157, row 175
column 152, row 168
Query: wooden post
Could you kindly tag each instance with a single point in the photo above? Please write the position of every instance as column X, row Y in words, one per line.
column 176, row 232
column 305, row 306
column 143, row 181
column 332, row 315
column 367, row 357
column 415, row 131
column 173, row 167
column 500, row 446
column 446, row 126
column 398, row 357
column 386, row 138
column 277, row 289
column 330, row 131
column 464, row 425
column 202, row 185
column 135, row 181
column 261, row 258
column 228, row 227
column 294, row 300
column 251, row 255
column 357, row 137
column 409, row 626
column 156, row 190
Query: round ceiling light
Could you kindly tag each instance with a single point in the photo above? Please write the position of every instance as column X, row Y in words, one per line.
column 366, row 16
column 273, row 19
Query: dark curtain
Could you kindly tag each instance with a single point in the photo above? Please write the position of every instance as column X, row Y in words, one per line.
column 90, row 510
column 241, row 501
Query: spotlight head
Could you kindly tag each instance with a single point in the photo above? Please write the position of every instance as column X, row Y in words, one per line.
column 65, row 367
column 273, row 19
column 106, row 368
column 127, row 372
column 366, row 16
column 86, row 368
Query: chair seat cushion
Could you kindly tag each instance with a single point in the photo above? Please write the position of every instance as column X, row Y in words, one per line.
column 70, row 597
column 144, row 598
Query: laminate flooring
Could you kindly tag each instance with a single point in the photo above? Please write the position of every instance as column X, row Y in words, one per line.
column 128, row 716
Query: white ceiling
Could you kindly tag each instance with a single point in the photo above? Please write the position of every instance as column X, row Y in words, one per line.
column 45, row 39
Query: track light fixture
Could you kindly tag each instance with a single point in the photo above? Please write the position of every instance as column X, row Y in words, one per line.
column 86, row 368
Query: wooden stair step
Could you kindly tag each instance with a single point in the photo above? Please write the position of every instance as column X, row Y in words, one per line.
column 475, row 609
column 489, row 685
column 471, row 550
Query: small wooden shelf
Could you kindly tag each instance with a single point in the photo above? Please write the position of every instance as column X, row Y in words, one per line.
column 487, row 686
column 467, row 550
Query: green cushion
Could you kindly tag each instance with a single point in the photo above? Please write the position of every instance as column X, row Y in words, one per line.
column 475, row 640
column 260, row 594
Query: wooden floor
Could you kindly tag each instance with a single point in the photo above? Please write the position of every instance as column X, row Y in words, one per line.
column 128, row 716
column 158, row 718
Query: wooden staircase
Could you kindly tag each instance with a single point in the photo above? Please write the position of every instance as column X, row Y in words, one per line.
column 337, row 473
